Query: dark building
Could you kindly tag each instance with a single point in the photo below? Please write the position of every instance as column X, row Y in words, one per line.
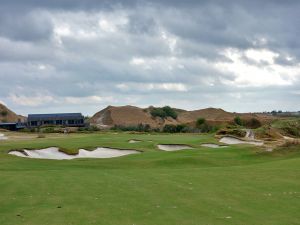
column 12, row 126
column 58, row 119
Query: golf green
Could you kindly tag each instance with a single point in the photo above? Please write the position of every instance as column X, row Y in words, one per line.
column 235, row 185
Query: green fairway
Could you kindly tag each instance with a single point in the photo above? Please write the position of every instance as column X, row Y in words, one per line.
column 236, row 185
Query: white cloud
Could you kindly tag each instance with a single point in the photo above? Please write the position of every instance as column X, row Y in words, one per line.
column 107, row 26
column 83, row 100
column 137, row 61
column 256, row 75
column 37, row 100
column 261, row 55
column 170, row 40
column 168, row 87
column 142, row 87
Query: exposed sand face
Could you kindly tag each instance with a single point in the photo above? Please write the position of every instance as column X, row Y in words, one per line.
column 173, row 147
column 250, row 134
column 134, row 141
column 2, row 137
column 213, row 146
column 236, row 141
column 54, row 153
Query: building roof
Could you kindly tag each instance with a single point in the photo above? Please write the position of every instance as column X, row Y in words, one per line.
column 3, row 124
column 54, row 116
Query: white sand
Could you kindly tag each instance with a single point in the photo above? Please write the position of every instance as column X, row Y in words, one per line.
column 250, row 134
column 134, row 141
column 288, row 138
column 213, row 146
column 173, row 147
column 235, row 141
column 2, row 137
column 104, row 153
column 54, row 153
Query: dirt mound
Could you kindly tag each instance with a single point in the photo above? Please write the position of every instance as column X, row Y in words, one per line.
column 6, row 115
column 210, row 114
column 123, row 115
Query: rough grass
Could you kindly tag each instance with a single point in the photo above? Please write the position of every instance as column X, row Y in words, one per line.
column 288, row 126
column 235, row 185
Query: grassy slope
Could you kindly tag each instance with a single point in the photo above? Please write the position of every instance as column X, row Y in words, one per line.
column 202, row 186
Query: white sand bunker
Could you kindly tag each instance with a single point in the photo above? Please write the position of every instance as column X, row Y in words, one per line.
column 173, row 147
column 214, row 146
column 54, row 153
column 236, row 141
column 2, row 137
column 134, row 141
column 288, row 138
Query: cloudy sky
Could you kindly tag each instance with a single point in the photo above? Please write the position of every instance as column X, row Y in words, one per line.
column 80, row 56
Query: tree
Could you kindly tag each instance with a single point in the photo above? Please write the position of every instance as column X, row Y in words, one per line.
column 163, row 112
column 170, row 112
column 238, row 120
column 158, row 112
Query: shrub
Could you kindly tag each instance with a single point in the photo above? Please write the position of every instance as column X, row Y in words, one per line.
column 88, row 129
column 204, row 127
column 139, row 128
column 292, row 131
column 3, row 113
column 200, row 121
column 169, row 128
column 163, row 112
column 253, row 123
column 234, row 132
column 28, row 130
column 158, row 112
column 48, row 130
column 92, row 128
column 180, row 128
column 170, row 112
column 238, row 121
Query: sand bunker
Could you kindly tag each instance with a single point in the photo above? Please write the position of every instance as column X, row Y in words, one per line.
column 54, row 153
column 173, row 147
column 214, row 146
column 2, row 137
column 288, row 138
column 236, row 141
column 134, row 141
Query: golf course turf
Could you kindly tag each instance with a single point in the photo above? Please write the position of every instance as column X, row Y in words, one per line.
column 238, row 185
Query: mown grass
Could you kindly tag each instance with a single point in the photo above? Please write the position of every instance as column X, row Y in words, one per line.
column 235, row 185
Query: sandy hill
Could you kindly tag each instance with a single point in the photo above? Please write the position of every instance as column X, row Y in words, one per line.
column 126, row 116
column 122, row 115
column 6, row 115
column 131, row 115
column 210, row 114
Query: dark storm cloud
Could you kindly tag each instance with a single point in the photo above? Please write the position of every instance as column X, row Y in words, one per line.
column 28, row 27
column 72, row 52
